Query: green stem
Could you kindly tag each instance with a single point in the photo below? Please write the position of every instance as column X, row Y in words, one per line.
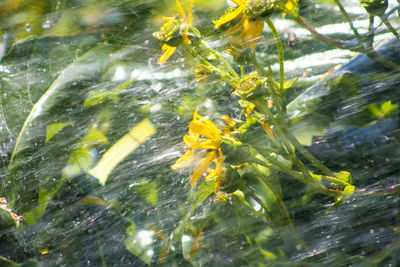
column 259, row 103
column 390, row 27
column 281, row 61
column 342, row 45
column 290, row 140
column 347, row 17
column 324, row 38
column 310, row 157
column 371, row 32
column 336, row 180
column 225, row 63
column 269, row 87
column 276, row 165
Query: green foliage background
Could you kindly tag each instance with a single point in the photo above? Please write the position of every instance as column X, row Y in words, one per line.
column 77, row 76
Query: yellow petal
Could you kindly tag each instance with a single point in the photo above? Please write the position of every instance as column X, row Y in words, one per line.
column 220, row 163
column 195, row 115
column 168, row 51
column 191, row 141
column 164, row 47
column 180, row 9
column 208, row 144
column 228, row 120
column 205, row 163
column 184, row 36
column 211, row 175
column 168, row 19
column 239, row 2
column 289, row 5
column 246, row 23
column 209, row 124
column 190, row 14
column 204, row 130
column 235, row 29
column 184, row 161
column 252, row 34
column 230, row 16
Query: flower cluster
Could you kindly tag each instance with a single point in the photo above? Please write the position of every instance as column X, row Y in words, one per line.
column 174, row 31
column 204, row 139
column 247, row 31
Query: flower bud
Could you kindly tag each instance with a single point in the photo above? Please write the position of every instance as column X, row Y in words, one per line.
column 263, row 8
column 375, row 7
column 169, row 32
column 250, row 87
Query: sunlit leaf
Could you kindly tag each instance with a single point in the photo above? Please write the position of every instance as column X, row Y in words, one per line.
column 121, row 149
column 130, row 230
column 344, row 176
column 99, row 96
column 92, row 200
column 268, row 255
column 139, row 243
column 204, row 191
column 54, row 128
column 83, row 155
column 35, row 214
column 389, row 109
column 147, row 190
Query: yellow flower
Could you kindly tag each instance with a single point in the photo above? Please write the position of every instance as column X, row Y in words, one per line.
column 249, row 28
column 204, row 139
column 291, row 6
column 167, row 33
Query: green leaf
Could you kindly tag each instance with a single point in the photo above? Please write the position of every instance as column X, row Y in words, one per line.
column 348, row 190
column 54, row 128
column 92, row 200
column 204, row 191
column 389, row 109
column 376, row 111
column 268, row 255
column 121, row 149
column 85, row 66
column 290, row 83
column 99, row 96
column 83, row 156
column 130, row 230
column 147, row 190
column 139, row 243
column 344, row 176
column 29, row 69
column 386, row 109
column 35, row 214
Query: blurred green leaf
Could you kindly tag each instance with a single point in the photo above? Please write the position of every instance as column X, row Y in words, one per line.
column 196, row 197
column 31, row 67
column 83, row 67
column 139, row 243
column 389, row 109
column 344, row 176
column 54, row 128
column 99, row 96
column 44, row 198
column 83, row 156
column 147, row 190
column 92, row 200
